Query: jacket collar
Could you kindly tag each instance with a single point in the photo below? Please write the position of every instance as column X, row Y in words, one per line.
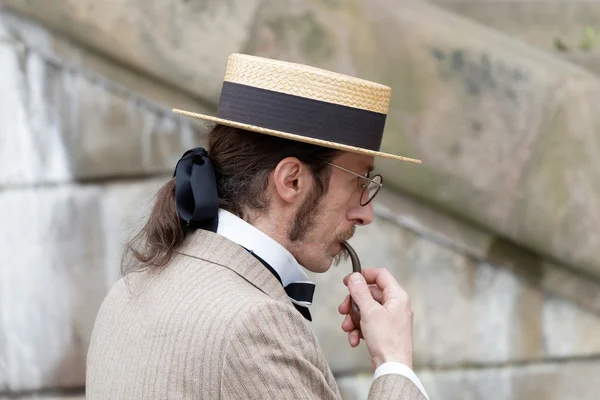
column 216, row 249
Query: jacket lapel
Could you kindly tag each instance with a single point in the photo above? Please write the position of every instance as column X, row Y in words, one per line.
column 216, row 249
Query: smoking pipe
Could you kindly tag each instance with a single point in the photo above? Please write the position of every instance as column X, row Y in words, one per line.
column 354, row 310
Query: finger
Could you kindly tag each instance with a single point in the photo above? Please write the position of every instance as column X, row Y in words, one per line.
column 344, row 307
column 379, row 276
column 354, row 338
column 347, row 277
column 376, row 293
column 360, row 292
column 347, row 324
column 383, row 279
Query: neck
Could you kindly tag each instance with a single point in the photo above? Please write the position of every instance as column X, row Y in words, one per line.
column 272, row 224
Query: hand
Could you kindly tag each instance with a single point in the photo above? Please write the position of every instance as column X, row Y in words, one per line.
column 386, row 316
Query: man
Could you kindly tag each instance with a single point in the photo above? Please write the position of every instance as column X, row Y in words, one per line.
column 214, row 299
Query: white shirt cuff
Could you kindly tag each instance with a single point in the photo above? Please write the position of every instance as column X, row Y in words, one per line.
column 400, row 369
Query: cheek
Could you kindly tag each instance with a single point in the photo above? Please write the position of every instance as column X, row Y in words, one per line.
column 340, row 196
column 340, row 205
column 331, row 218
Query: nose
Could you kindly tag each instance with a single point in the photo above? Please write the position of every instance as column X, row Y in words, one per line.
column 361, row 215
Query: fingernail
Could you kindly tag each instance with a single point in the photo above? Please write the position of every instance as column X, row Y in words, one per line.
column 356, row 278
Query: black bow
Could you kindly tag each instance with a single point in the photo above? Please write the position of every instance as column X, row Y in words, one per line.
column 196, row 193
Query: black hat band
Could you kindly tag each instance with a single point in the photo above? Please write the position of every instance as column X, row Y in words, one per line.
column 301, row 116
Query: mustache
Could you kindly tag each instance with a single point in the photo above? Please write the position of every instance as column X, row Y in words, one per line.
column 343, row 255
column 346, row 235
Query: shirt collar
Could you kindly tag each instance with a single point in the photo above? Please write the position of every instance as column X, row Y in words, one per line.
column 278, row 257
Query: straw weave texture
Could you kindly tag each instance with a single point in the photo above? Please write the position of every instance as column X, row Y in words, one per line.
column 308, row 82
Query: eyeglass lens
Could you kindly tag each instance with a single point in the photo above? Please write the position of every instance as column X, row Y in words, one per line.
column 370, row 191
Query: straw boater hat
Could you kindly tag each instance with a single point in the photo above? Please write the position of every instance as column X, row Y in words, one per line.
column 303, row 103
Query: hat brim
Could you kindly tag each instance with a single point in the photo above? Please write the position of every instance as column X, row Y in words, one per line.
column 292, row 136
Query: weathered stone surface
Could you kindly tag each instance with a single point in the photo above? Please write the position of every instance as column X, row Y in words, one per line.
column 588, row 60
column 61, row 123
column 568, row 380
column 61, row 249
column 539, row 23
column 557, row 199
column 184, row 42
column 467, row 311
column 489, row 138
column 484, row 246
column 57, row 49
column 43, row 396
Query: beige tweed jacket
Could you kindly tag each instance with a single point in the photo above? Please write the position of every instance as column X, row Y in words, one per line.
column 213, row 324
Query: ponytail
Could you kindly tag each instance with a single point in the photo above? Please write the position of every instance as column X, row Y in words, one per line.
column 154, row 245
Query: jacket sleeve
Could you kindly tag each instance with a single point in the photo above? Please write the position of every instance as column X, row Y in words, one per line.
column 395, row 387
column 272, row 353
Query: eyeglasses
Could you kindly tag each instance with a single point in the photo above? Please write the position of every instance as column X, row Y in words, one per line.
column 369, row 188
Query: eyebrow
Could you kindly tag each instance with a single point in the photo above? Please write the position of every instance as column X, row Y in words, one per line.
column 370, row 168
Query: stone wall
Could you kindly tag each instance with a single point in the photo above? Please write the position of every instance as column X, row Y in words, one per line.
column 87, row 137
column 568, row 29
column 65, row 119
column 81, row 154
column 536, row 22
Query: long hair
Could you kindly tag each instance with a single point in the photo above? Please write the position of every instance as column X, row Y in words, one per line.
column 243, row 161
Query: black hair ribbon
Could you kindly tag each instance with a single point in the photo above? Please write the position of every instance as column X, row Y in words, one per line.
column 196, row 193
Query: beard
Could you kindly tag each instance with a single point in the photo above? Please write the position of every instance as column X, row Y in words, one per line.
column 305, row 216
column 304, row 220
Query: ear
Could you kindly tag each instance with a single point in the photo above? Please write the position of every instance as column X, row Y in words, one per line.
column 292, row 179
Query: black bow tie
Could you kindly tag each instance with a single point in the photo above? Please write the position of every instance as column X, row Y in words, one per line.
column 300, row 293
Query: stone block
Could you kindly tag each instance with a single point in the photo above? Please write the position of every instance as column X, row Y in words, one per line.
column 60, row 123
column 559, row 182
column 488, row 129
column 564, row 380
column 57, row 49
column 42, row 396
column 61, row 248
column 484, row 246
column 538, row 23
column 185, row 42
column 467, row 311
column 588, row 60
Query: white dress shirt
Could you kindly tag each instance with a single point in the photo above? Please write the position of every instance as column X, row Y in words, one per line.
column 283, row 262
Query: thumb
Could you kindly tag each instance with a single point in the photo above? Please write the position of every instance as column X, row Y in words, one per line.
column 360, row 291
